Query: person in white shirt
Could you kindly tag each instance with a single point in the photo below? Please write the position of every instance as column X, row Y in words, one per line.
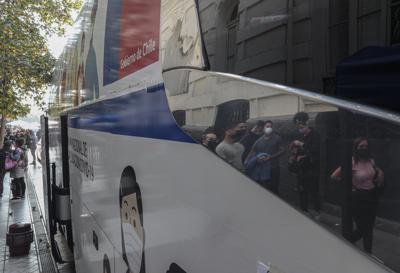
column 230, row 150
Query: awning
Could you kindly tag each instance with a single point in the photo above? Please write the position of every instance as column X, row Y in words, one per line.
column 371, row 76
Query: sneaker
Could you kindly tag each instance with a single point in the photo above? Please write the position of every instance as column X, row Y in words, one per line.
column 15, row 198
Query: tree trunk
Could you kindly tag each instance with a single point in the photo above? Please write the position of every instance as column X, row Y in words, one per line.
column 2, row 130
column 3, row 112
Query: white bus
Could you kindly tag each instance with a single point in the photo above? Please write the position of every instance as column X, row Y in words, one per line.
column 124, row 140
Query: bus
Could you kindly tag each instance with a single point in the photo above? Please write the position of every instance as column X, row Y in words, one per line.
column 131, row 178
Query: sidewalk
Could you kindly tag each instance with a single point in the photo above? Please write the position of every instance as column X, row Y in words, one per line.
column 385, row 247
column 36, row 197
column 13, row 211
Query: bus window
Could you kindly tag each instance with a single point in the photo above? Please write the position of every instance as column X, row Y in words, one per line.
column 332, row 160
column 180, row 117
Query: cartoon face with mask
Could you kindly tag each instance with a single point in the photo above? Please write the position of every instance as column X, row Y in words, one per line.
column 132, row 232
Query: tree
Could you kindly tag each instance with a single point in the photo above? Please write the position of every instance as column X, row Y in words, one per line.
column 25, row 61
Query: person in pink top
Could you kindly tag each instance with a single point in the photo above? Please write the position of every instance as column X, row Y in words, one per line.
column 367, row 179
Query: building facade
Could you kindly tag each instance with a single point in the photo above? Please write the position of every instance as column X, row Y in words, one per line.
column 294, row 42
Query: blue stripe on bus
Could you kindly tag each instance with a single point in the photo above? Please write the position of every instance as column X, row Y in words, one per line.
column 144, row 114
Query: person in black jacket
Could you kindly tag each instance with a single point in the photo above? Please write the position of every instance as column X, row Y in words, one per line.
column 3, row 154
column 251, row 137
column 310, row 144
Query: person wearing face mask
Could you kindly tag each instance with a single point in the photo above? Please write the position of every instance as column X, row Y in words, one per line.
column 269, row 147
column 367, row 179
column 251, row 137
column 241, row 130
column 229, row 149
column 210, row 141
column 310, row 143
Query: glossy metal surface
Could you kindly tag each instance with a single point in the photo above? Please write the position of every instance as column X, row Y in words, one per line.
column 211, row 104
column 181, row 81
column 190, row 210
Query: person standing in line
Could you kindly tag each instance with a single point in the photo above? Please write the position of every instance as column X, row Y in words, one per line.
column 27, row 137
column 229, row 149
column 241, row 130
column 209, row 140
column 18, row 173
column 3, row 155
column 269, row 144
column 367, row 181
column 38, row 135
column 33, row 146
column 310, row 143
column 301, row 166
column 251, row 137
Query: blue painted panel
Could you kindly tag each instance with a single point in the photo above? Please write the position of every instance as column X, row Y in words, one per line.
column 143, row 114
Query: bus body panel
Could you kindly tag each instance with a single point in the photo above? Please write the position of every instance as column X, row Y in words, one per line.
column 196, row 212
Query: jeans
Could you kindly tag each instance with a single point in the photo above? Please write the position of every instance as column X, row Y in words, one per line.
column 2, row 174
column 18, row 186
column 273, row 183
column 363, row 207
column 308, row 184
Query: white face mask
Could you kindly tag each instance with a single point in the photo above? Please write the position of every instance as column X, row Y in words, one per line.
column 268, row 131
column 133, row 247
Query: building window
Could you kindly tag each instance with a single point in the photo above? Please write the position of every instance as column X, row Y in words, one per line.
column 338, row 32
column 180, row 117
column 231, row 112
column 395, row 22
column 231, row 29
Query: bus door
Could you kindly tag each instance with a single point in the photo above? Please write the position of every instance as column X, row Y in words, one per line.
column 63, row 189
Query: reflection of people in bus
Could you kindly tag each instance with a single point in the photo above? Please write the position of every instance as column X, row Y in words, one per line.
column 270, row 143
column 241, row 130
column 310, row 142
column 251, row 137
column 367, row 178
column 132, row 232
column 209, row 140
column 300, row 164
column 229, row 149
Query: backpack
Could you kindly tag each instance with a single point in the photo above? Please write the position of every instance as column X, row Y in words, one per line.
column 9, row 163
column 378, row 189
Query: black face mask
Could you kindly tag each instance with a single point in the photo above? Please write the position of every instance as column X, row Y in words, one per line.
column 239, row 134
column 212, row 144
column 363, row 153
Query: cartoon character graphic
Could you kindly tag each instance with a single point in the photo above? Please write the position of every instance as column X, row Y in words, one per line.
column 106, row 264
column 174, row 268
column 132, row 232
